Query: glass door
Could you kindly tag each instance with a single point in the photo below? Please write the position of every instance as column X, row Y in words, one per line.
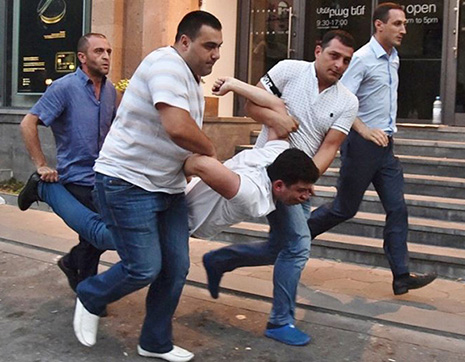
column 459, row 52
column 269, row 31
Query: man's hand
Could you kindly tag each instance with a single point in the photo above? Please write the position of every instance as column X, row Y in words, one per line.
column 286, row 125
column 376, row 136
column 48, row 174
column 223, row 85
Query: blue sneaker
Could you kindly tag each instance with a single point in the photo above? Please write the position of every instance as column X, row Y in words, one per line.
column 288, row 334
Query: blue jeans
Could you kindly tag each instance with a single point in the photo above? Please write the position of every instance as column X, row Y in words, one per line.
column 85, row 222
column 288, row 248
column 363, row 162
column 150, row 232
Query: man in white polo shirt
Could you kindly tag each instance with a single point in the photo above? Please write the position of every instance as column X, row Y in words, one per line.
column 140, row 185
column 325, row 110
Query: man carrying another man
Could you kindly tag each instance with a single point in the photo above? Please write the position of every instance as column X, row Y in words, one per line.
column 79, row 108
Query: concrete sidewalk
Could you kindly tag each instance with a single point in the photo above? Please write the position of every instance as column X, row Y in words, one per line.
column 327, row 288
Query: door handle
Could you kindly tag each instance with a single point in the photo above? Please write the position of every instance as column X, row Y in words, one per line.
column 290, row 23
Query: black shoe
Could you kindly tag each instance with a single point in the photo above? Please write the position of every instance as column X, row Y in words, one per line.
column 403, row 284
column 29, row 193
column 71, row 274
column 213, row 276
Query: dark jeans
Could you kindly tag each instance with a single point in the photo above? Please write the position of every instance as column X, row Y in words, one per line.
column 363, row 162
column 151, row 234
column 83, row 257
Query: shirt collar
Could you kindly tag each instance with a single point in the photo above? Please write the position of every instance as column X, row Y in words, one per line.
column 85, row 78
column 379, row 50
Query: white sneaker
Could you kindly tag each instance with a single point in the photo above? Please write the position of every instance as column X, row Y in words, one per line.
column 177, row 354
column 85, row 325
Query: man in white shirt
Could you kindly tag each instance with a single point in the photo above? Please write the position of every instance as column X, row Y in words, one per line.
column 325, row 110
column 140, row 185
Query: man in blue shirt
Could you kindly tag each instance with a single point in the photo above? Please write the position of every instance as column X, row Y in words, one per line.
column 367, row 154
column 79, row 108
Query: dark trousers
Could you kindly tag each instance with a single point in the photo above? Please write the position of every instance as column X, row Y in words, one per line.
column 83, row 257
column 362, row 163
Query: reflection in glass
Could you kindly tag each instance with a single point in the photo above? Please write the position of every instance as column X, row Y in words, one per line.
column 269, row 30
column 460, row 90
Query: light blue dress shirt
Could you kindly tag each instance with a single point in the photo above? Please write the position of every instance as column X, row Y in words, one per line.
column 373, row 77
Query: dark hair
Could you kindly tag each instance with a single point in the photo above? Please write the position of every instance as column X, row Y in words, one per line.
column 83, row 42
column 382, row 11
column 193, row 21
column 292, row 166
column 343, row 36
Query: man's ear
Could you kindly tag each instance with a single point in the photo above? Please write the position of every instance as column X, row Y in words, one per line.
column 318, row 50
column 82, row 57
column 278, row 185
column 184, row 41
column 378, row 25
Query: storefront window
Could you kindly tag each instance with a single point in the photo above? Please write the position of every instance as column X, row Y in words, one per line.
column 460, row 90
column 269, row 35
column 420, row 53
column 37, row 45
column 324, row 15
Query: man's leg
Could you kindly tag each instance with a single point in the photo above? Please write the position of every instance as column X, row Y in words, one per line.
column 288, row 223
column 164, row 293
column 84, row 257
column 389, row 183
column 132, row 216
column 359, row 161
column 78, row 217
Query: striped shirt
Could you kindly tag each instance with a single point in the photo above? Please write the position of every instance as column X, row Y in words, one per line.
column 137, row 148
column 295, row 82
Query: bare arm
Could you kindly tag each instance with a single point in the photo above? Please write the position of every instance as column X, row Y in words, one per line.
column 282, row 124
column 257, row 95
column 375, row 135
column 29, row 131
column 328, row 149
column 183, row 130
column 214, row 174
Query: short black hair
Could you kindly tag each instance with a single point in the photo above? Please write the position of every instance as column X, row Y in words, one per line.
column 83, row 42
column 193, row 21
column 292, row 166
column 343, row 36
column 382, row 11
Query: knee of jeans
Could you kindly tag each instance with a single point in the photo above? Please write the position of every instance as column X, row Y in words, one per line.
column 143, row 276
column 299, row 250
column 399, row 212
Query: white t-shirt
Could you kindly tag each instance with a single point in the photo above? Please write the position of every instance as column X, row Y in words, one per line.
column 137, row 148
column 210, row 213
column 295, row 82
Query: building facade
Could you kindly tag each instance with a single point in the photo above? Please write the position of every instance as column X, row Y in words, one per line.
column 39, row 37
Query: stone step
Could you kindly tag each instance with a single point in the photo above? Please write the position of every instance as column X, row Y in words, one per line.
column 447, row 262
column 439, row 208
column 416, row 131
column 430, row 132
column 421, row 230
column 429, row 148
column 427, row 185
column 421, row 165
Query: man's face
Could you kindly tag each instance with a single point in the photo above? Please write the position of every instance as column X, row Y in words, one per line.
column 203, row 52
column 96, row 59
column 391, row 33
column 293, row 194
column 332, row 61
